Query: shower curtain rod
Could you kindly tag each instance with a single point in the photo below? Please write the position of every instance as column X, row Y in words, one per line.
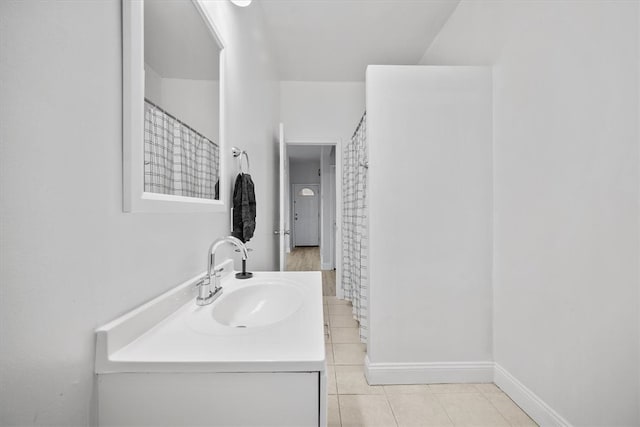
column 359, row 124
column 178, row 120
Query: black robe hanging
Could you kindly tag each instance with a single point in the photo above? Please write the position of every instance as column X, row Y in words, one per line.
column 244, row 208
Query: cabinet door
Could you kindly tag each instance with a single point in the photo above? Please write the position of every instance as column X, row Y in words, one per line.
column 209, row 399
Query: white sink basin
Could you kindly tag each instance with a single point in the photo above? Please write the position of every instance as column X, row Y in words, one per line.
column 259, row 304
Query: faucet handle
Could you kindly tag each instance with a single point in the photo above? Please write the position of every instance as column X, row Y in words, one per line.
column 202, row 282
column 217, row 271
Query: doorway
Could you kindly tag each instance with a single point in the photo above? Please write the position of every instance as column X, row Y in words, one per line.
column 319, row 160
column 312, row 203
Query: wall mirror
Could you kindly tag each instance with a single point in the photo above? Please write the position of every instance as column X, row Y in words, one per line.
column 173, row 96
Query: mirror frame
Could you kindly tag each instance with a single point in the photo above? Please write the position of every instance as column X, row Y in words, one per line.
column 135, row 199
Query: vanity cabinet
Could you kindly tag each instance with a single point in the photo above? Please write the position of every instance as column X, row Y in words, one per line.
column 171, row 362
column 211, row 399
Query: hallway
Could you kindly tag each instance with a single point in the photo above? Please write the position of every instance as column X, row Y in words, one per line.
column 307, row 258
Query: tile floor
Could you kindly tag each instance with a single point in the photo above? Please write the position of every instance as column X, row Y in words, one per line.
column 353, row 402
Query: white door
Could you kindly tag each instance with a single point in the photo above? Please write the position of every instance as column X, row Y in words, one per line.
column 283, row 223
column 306, row 214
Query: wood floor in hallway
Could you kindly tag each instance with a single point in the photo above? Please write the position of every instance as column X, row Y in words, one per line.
column 304, row 258
column 307, row 258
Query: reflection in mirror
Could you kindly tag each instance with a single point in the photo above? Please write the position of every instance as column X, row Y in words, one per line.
column 182, row 101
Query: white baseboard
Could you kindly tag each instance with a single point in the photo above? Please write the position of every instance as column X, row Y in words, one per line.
column 535, row 407
column 428, row 373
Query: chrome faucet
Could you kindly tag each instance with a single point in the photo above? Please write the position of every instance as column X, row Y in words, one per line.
column 205, row 294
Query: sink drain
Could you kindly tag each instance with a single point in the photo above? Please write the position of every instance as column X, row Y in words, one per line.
column 240, row 326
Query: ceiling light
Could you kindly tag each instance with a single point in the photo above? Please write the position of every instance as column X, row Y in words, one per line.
column 241, row 3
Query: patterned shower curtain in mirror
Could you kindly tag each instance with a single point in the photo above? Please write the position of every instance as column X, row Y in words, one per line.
column 355, row 257
column 177, row 160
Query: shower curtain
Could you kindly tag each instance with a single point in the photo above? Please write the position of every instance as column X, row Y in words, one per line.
column 177, row 159
column 355, row 266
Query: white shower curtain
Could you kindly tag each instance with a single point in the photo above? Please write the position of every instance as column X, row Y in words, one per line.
column 355, row 260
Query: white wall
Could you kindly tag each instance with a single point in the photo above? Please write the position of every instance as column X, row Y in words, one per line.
column 253, row 98
column 566, row 195
column 70, row 258
column 304, row 171
column 429, row 139
column 152, row 85
column 194, row 102
column 321, row 109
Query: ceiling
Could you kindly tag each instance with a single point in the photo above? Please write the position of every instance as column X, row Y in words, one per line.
column 301, row 153
column 178, row 43
column 334, row 40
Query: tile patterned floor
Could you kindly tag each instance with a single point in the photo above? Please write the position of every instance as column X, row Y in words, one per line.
column 353, row 402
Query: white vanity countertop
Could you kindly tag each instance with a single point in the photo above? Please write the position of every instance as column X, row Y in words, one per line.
column 158, row 338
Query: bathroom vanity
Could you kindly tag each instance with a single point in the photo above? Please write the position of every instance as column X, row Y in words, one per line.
column 255, row 356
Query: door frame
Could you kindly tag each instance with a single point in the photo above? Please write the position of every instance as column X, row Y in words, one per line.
column 332, row 221
column 337, row 142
